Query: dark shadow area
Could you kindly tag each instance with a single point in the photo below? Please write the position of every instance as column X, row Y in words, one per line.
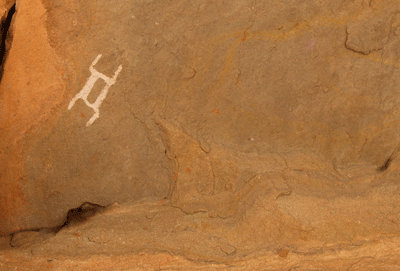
column 75, row 216
column 6, row 39
column 82, row 213
column 389, row 160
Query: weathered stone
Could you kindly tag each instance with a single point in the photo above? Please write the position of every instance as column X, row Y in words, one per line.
column 233, row 132
column 369, row 33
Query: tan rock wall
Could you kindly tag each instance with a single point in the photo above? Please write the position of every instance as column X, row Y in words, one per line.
column 210, row 95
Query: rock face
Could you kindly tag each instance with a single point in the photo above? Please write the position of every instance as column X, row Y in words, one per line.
column 256, row 127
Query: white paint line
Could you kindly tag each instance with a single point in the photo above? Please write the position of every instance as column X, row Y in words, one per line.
column 84, row 93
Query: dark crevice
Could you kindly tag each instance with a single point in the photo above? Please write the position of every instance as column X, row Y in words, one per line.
column 75, row 216
column 385, row 165
column 6, row 38
column 390, row 159
column 82, row 213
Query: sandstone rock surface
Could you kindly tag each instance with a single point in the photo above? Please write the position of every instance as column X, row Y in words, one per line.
column 230, row 134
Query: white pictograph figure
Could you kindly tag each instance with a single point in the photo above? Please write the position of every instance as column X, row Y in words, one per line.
column 84, row 93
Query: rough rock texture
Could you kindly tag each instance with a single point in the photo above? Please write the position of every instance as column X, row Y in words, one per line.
column 233, row 132
column 143, row 236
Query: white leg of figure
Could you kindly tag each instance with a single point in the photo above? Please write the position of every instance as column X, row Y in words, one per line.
column 96, row 60
column 94, row 117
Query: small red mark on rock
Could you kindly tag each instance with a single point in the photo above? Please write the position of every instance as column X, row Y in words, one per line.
column 216, row 111
column 82, row 115
column 283, row 253
column 244, row 36
column 76, row 234
column 95, row 158
column 160, row 202
column 188, row 170
column 175, row 177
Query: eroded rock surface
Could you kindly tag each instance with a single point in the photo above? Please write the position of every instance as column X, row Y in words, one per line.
column 231, row 132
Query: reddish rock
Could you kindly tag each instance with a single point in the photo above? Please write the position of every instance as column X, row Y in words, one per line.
column 31, row 90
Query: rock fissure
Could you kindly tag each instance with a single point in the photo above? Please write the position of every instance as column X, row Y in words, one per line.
column 74, row 217
column 6, row 38
column 390, row 159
